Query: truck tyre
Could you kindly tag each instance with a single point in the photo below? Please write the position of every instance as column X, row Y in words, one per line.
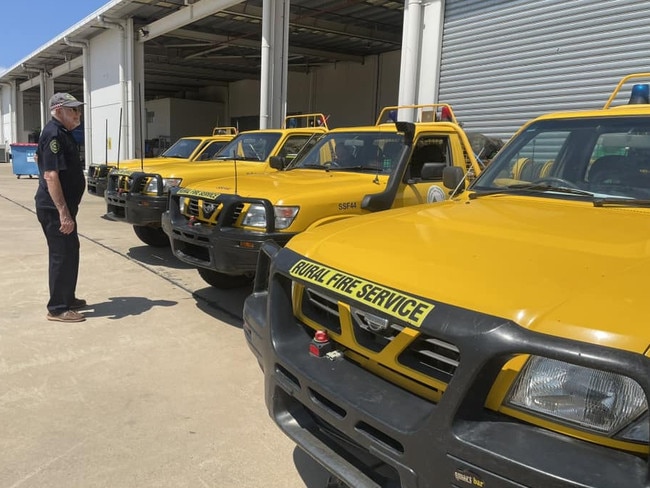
column 222, row 280
column 152, row 236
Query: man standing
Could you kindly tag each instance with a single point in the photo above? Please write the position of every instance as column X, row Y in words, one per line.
column 60, row 188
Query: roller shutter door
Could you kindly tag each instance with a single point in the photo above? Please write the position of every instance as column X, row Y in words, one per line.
column 507, row 61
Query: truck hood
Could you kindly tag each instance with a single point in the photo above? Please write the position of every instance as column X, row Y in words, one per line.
column 134, row 164
column 562, row 268
column 193, row 171
column 299, row 186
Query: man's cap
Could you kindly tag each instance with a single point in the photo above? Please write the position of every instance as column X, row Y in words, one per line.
column 63, row 100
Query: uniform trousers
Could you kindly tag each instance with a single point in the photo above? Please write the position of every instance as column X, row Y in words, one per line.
column 63, row 255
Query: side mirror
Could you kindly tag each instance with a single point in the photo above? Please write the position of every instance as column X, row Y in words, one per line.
column 432, row 171
column 453, row 177
column 277, row 162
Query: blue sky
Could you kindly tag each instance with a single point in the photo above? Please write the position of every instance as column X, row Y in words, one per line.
column 28, row 24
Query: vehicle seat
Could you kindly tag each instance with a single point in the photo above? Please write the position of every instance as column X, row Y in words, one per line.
column 609, row 169
column 429, row 153
column 369, row 155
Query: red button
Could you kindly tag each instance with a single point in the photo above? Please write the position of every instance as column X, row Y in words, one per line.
column 321, row 336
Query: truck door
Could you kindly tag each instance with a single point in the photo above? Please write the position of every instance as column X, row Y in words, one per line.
column 434, row 148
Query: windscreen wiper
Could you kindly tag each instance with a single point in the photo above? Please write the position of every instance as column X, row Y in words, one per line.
column 362, row 167
column 528, row 187
column 620, row 202
column 312, row 166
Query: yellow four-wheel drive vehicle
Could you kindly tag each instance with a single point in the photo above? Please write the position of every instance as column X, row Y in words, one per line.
column 497, row 339
column 219, row 225
column 138, row 196
column 199, row 148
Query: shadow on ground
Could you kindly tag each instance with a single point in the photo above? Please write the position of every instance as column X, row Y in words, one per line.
column 157, row 256
column 120, row 307
column 225, row 305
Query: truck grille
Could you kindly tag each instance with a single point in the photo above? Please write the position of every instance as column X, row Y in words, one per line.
column 98, row 171
column 192, row 208
column 121, row 183
column 374, row 335
column 237, row 212
column 322, row 310
column 209, row 210
column 433, row 357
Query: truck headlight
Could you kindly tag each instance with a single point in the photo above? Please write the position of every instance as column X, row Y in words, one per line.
column 168, row 183
column 602, row 402
column 256, row 216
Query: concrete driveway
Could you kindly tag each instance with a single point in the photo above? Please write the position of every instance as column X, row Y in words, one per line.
column 157, row 388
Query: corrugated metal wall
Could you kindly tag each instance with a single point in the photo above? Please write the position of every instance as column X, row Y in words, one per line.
column 507, row 61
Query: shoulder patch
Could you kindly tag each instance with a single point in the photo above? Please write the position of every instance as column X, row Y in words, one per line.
column 54, row 146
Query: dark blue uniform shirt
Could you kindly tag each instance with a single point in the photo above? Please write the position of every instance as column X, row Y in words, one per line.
column 58, row 151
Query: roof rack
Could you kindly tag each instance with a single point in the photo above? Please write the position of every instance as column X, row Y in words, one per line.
column 305, row 120
column 432, row 112
column 224, row 131
column 624, row 80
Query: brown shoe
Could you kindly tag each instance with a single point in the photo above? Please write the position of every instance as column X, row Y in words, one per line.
column 67, row 316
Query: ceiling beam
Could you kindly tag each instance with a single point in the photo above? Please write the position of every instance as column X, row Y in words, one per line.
column 216, row 40
column 186, row 15
column 72, row 65
column 314, row 23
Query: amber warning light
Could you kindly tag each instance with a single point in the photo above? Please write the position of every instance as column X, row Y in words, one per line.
column 320, row 345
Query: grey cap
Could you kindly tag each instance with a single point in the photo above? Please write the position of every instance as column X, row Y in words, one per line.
column 63, row 100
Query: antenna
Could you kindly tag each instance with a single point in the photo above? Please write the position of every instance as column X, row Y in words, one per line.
column 140, row 123
column 235, row 161
column 106, row 142
column 119, row 139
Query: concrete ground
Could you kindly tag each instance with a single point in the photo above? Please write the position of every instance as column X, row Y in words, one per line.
column 157, row 388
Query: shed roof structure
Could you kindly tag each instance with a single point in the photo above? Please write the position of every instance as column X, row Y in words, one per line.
column 188, row 46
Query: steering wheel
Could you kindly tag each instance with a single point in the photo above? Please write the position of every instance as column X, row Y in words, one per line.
column 555, row 179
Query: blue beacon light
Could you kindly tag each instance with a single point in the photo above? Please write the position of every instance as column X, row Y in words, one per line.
column 640, row 94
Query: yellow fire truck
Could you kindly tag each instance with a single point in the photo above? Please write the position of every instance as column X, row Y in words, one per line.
column 138, row 196
column 498, row 339
column 219, row 225
column 186, row 149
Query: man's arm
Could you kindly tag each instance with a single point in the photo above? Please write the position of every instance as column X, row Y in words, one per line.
column 56, row 192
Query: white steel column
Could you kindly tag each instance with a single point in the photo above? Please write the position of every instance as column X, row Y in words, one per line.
column 111, row 24
column 12, row 136
column 275, row 51
column 411, row 45
column 281, row 63
column 138, row 116
column 47, row 90
column 42, row 90
column 265, row 68
column 433, row 17
column 88, row 126
column 133, row 56
column 421, row 53
column 20, row 117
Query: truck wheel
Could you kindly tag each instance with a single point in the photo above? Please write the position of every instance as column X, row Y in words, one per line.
column 222, row 280
column 152, row 236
